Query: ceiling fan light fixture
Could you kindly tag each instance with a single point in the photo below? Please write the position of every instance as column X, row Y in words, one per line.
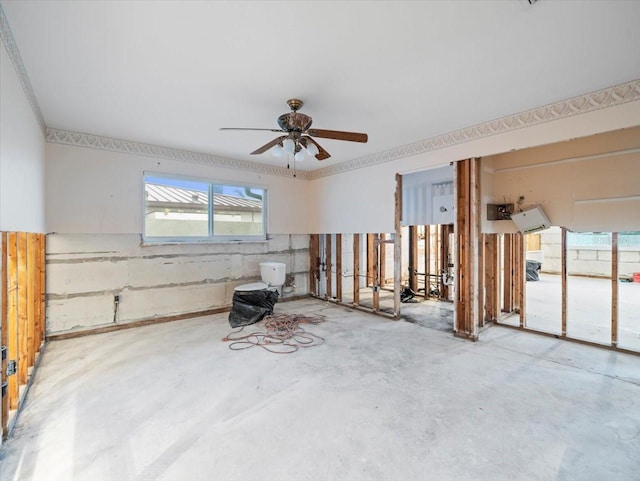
column 289, row 146
column 299, row 155
column 277, row 151
column 312, row 149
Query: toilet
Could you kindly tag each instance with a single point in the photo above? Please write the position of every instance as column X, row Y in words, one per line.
column 273, row 276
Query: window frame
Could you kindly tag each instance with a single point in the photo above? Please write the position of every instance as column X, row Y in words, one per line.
column 211, row 237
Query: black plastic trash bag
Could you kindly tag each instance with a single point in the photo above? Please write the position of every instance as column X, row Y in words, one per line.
column 250, row 307
column 533, row 270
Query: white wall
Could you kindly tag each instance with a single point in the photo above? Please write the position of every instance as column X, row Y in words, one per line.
column 363, row 200
column 93, row 191
column 22, row 156
column 581, row 184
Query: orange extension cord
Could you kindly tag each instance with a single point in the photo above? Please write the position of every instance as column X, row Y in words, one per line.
column 282, row 334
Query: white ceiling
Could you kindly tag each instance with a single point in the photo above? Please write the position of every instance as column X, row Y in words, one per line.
column 173, row 73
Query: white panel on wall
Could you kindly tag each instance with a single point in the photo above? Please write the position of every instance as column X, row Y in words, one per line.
column 427, row 197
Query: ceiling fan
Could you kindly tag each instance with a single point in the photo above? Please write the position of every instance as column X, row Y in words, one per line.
column 298, row 139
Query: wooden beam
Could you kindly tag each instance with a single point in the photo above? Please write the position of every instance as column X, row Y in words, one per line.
column 427, row 260
column 614, row 289
column 314, row 263
column 491, row 284
column 327, row 265
column 32, row 299
column 563, row 262
column 382, row 253
column 521, row 277
column 339, row 267
column 413, row 258
column 4, row 408
column 376, row 274
column 22, row 309
column 12, row 314
column 507, row 263
column 371, row 253
column 37, row 306
column 397, row 249
column 356, row 269
column 43, row 287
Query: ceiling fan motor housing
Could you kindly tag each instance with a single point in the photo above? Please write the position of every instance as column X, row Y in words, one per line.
column 294, row 121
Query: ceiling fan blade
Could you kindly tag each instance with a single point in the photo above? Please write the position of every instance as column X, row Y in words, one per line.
column 322, row 154
column 267, row 146
column 338, row 135
column 249, row 128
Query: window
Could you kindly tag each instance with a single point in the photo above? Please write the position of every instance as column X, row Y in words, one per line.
column 179, row 209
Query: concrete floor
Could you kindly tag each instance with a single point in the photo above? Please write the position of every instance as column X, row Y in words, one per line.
column 379, row 400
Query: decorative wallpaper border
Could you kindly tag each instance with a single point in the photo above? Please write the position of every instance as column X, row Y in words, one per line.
column 600, row 99
column 67, row 137
column 14, row 54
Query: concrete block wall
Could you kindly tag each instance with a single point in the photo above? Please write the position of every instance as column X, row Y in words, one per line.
column 86, row 271
column 587, row 261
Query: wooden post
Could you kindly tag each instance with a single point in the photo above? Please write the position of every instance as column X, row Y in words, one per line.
column 491, row 285
column 327, row 265
column 614, row 289
column 12, row 314
column 32, row 299
column 382, row 249
column 427, row 260
column 521, row 277
column 376, row 275
column 37, row 302
column 339, row 267
column 371, row 253
column 356, row 269
column 314, row 263
column 413, row 258
column 43, row 288
column 397, row 249
column 481, row 274
column 507, row 263
column 22, row 309
column 563, row 261
column 467, row 233
column 3, row 332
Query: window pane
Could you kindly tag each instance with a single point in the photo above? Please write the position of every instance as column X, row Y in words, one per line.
column 176, row 208
column 237, row 210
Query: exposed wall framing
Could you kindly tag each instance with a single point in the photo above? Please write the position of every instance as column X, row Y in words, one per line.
column 467, row 314
column 23, row 316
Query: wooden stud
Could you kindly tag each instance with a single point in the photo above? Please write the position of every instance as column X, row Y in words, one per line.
column 327, row 265
column 32, row 299
column 339, row 267
column 614, row 289
column 522, row 278
column 507, row 285
column 4, row 407
column 382, row 253
column 356, row 269
column 371, row 253
column 37, row 340
column 376, row 274
column 413, row 258
column 480, row 287
column 12, row 314
column 43, row 288
column 427, row 260
column 22, row 309
column 563, row 262
column 314, row 263
column 492, row 301
column 397, row 249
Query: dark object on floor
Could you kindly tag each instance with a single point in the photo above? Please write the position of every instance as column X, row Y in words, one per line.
column 407, row 294
column 282, row 334
column 250, row 307
column 533, row 270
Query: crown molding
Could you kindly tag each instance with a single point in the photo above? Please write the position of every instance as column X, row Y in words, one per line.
column 14, row 54
column 600, row 99
column 66, row 137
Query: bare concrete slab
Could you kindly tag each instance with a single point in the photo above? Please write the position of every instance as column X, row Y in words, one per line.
column 379, row 400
